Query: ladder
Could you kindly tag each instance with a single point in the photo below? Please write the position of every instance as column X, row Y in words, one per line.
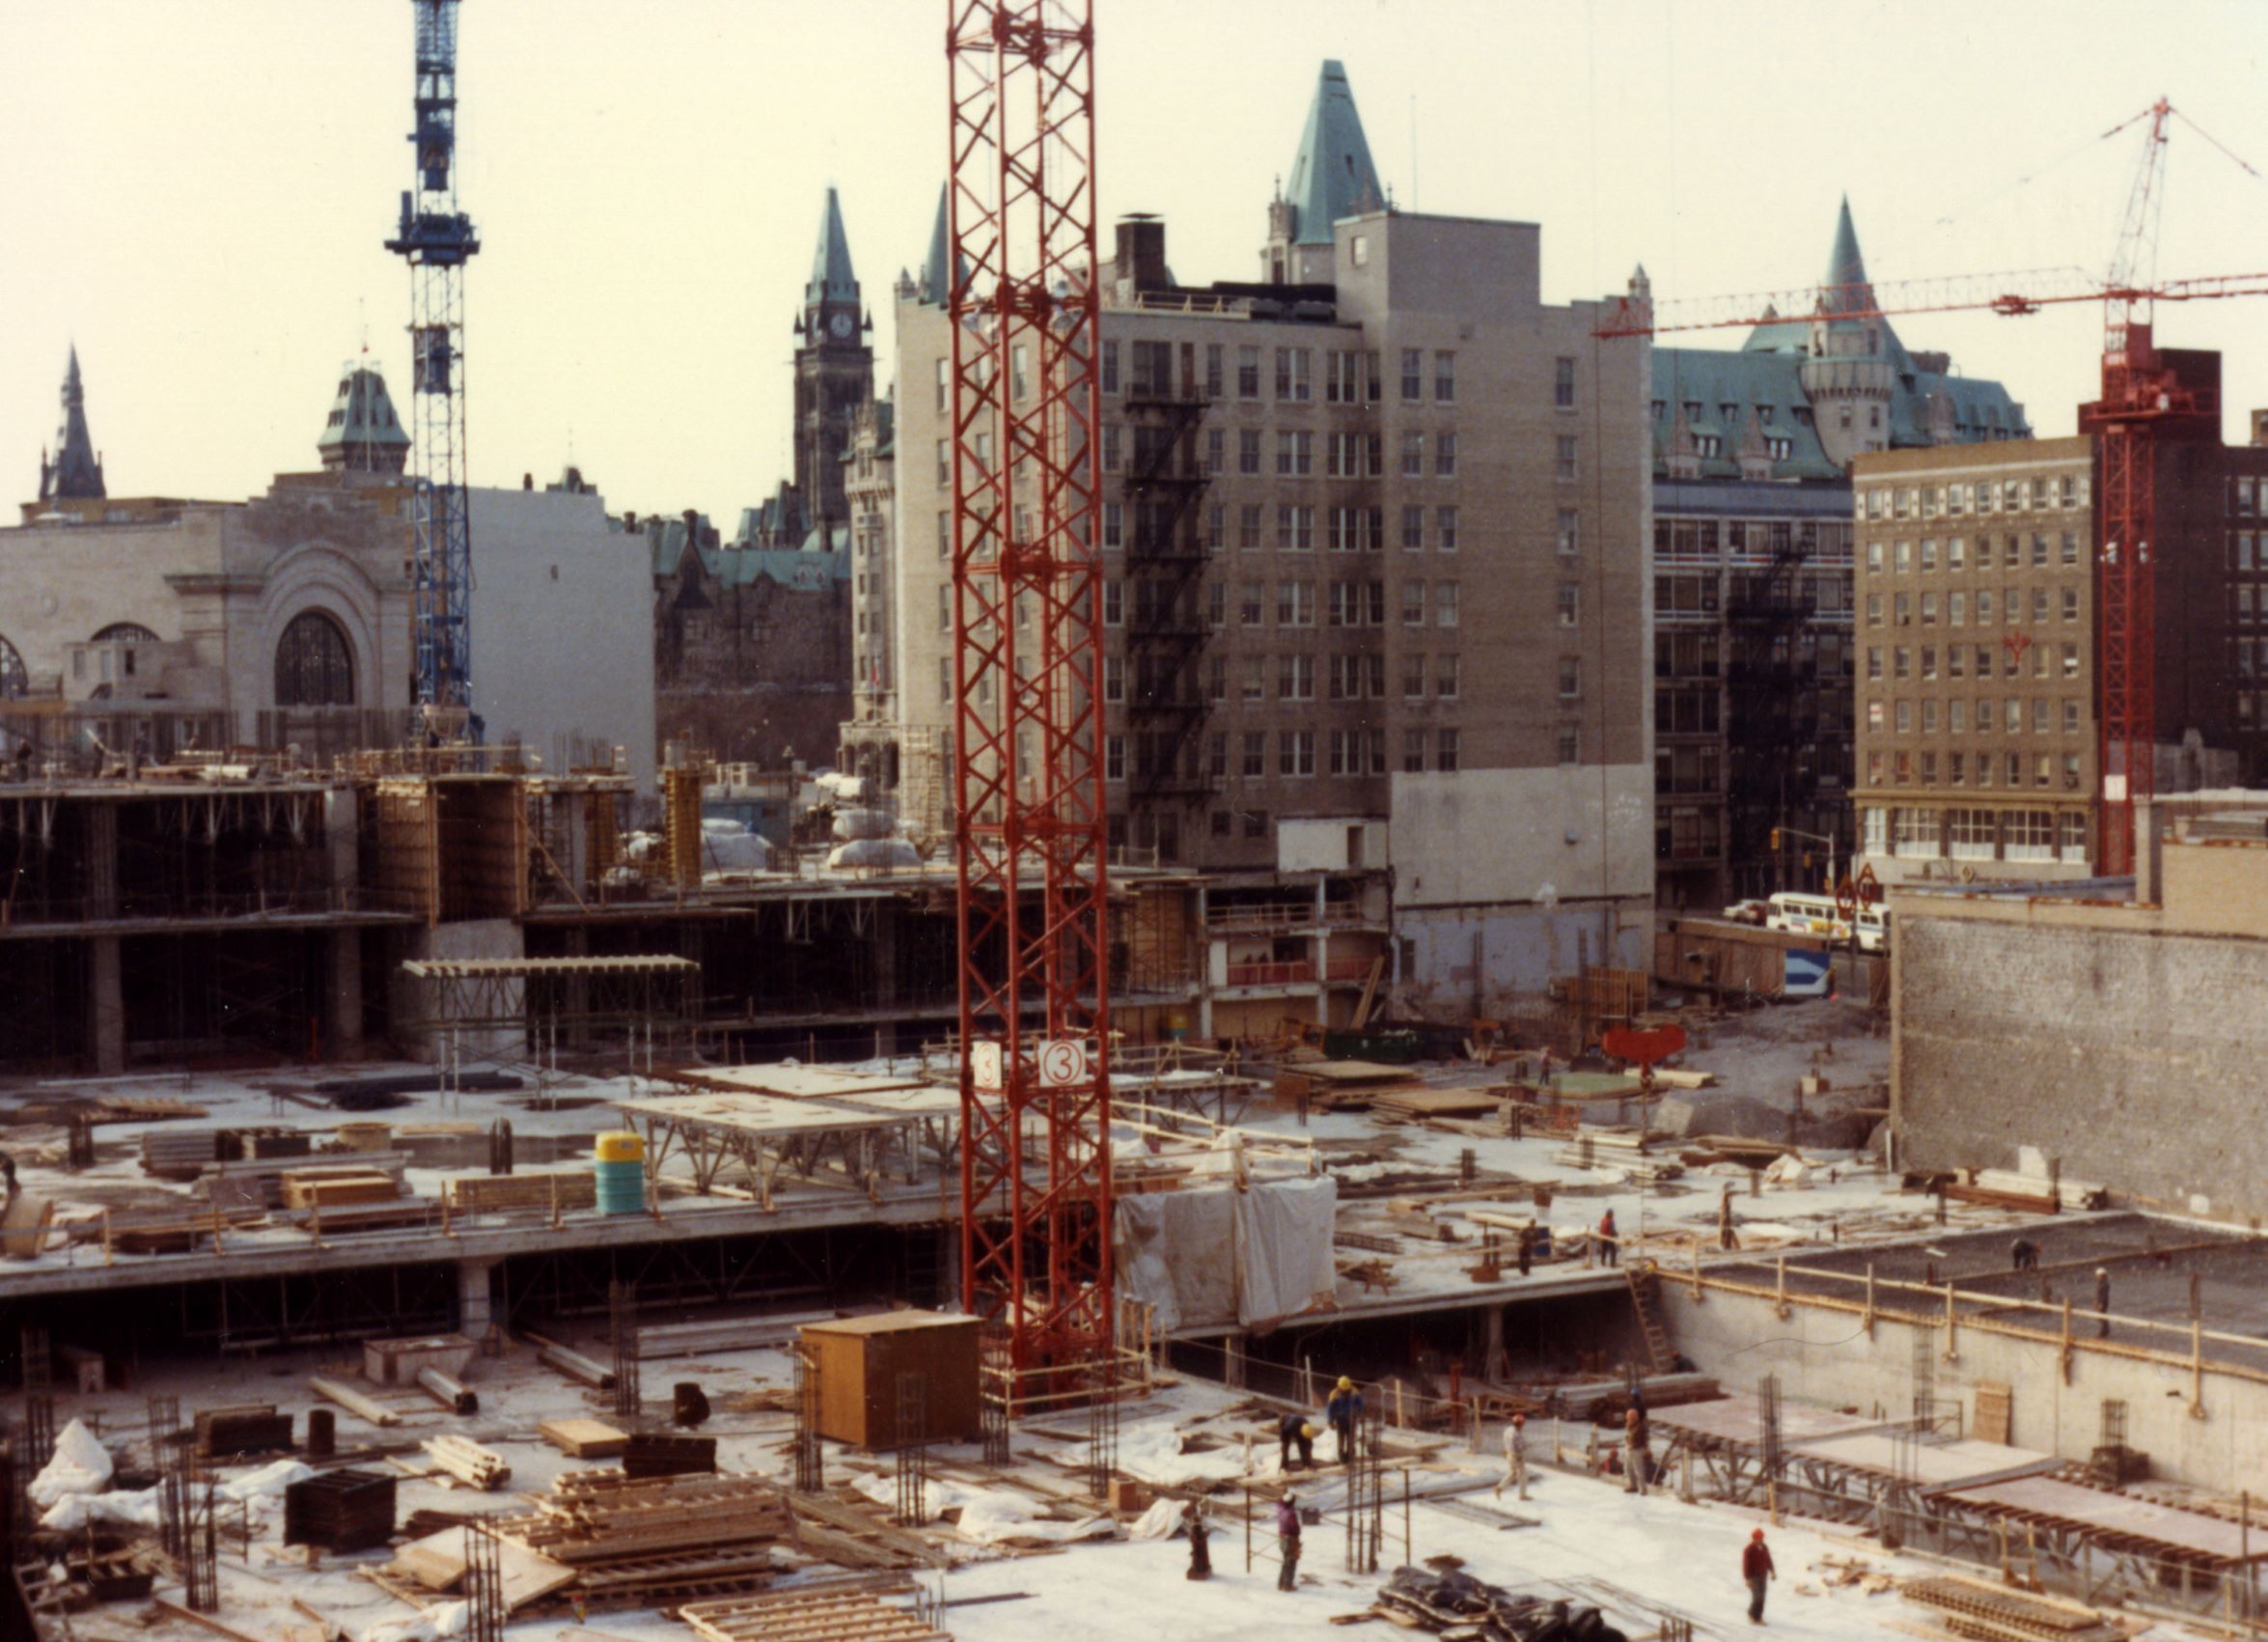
column 1640, row 1276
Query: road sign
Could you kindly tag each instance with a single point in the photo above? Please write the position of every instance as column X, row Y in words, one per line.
column 1846, row 899
column 1063, row 1062
column 1870, row 888
column 984, row 1066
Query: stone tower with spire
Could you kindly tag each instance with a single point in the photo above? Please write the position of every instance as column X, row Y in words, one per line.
column 76, row 471
column 1331, row 177
column 1852, row 365
column 833, row 374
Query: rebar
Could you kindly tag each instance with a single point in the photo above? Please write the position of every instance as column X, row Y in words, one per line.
column 622, row 1311
column 484, row 1584
column 913, row 1449
column 201, row 1567
column 1102, row 1432
column 1366, row 1490
column 810, row 1468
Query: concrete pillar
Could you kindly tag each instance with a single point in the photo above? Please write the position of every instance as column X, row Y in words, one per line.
column 345, row 1010
column 342, row 848
column 106, row 1012
column 101, row 860
column 1204, row 970
column 1494, row 1363
column 475, row 1307
column 1323, row 954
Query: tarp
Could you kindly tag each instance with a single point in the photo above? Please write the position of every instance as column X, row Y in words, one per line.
column 1169, row 1246
column 81, row 1464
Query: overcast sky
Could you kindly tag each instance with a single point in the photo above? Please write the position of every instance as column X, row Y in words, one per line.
column 196, row 192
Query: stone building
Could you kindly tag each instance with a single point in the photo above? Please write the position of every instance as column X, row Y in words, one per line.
column 1980, row 726
column 1752, row 559
column 871, row 491
column 1375, row 599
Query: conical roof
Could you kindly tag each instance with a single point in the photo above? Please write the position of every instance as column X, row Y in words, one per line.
column 831, row 278
column 74, row 471
column 1845, row 265
column 1331, row 176
column 363, row 434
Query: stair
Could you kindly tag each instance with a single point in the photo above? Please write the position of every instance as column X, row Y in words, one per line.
column 1640, row 1276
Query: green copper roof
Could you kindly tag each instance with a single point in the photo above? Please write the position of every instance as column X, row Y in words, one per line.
column 362, row 416
column 1331, row 176
column 831, row 278
column 1845, row 265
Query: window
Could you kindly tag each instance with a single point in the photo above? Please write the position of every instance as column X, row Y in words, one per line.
column 1956, row 715
column 1413, row 529
column 1564, row 462
column 1413, row 604
column 1904, row 604
column 1346, row 752
column 1213, row 375
column 1248, row 525
column 1413, row 374
column 1113, row 525
column 1905, row 716
column 2071, row 717
column 1216, row 450
column 315, row 666
column 1956, row 553
column 1904, row 557
column 1413, row 676
column 2014, row 719
column 1295, row 453
column 945, row 678
column 945, row 607
column 1295, row 677
column 1216, row 527
column 1570, row 743
column 1292, row 379
column 1216, row 682
column 1570, row 605
column 1445, row 750
column 944, row 461
column 1445, row 603
column 1110, row 367
column 1563, row 392
column 1296, row 603
column 1445, row 376
column 945, row 536
column 1445, row 526
column 1929, row 661
column 1874, row 662
column 1295, row 752
column 1569, row 532
column 1255, row 752
column 1874, row 609
column 1570, row 678
column 1248, row 373
column 1446, row 678
column 1255, row 684
column 1413, row 751
column 1413, row 455
column 1248, row 450
column 1874, row 557
column 1114, row 603
column 2070, row 604
column 1444, row 455
column 1114, row 758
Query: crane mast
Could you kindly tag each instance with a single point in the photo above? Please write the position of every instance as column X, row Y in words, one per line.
column 436, row 239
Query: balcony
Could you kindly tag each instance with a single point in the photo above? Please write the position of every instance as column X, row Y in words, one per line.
column 1301, row 974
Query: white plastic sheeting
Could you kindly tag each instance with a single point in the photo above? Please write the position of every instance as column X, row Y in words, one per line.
column 875, row 852
column 81, row 1465
column 1169, row 1248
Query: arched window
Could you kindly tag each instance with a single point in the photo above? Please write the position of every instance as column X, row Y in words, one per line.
column 313, row 665
column 14, row 680
column 125, row 632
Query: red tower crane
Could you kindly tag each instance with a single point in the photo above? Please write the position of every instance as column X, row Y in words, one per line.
column 2140, row 397
column 1027, row 755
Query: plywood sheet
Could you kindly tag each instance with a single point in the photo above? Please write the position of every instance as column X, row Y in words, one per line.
column 2164, row 1526
column 1992, row 1417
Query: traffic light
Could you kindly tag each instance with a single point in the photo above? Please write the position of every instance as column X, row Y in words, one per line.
column 1775, row 838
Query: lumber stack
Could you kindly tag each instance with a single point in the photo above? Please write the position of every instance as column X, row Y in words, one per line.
column 336, row 1187
column 584, row 1438
column 468, row 1462
column 564, row 1189
column 1415, row 1103
column 811, row 1616
column 623, row 1543
column 1987, row 1612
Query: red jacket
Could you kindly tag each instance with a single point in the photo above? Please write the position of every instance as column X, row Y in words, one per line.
column 1756, row 1561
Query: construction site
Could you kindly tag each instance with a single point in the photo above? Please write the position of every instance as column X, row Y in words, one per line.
column 451, row 1198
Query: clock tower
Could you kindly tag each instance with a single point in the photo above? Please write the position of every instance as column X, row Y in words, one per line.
column 834, row 374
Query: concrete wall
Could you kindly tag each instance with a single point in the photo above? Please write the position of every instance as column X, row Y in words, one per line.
column 1324, row 844
column 562, row 627
column 2126, row 1040
column 1823, row 1357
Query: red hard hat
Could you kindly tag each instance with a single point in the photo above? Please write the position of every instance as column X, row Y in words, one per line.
column 1755, row 1533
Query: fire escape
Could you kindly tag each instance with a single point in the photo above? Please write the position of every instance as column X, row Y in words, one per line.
column 1772, row 706
column 1166, row 619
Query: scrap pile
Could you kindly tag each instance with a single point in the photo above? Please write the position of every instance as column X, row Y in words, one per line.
column 1455, row 1603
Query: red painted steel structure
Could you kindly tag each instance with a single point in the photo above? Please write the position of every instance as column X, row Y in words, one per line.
column 1028, row 790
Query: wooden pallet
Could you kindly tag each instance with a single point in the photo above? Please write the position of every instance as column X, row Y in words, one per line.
column 800, row 1616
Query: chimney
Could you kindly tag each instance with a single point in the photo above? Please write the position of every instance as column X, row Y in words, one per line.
column 1141, row 251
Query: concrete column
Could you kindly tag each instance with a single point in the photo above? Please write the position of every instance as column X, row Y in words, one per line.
column 346, row 1034
column 475, row 1308
column 1323, row 954
column 107, row 1013
column 342, row 846
column 102, row 862
column 1494, row 1363
column 1204, row 970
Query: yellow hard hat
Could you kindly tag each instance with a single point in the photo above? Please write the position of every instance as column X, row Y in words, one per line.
column 1307, row 1431
column 1345, row 1383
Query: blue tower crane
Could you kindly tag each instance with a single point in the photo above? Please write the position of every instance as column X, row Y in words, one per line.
column 436, row 239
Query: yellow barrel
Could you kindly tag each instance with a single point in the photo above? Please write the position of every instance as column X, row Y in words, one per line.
column 620, row 1146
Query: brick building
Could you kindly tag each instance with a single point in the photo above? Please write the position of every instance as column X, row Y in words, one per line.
column 1979, row 633
column 1752, row 559
column 1373, row 533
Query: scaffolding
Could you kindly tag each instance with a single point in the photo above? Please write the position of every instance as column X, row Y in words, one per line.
column 509, row 1012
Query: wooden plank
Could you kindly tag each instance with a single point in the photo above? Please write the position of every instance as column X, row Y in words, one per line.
column 353, row 1401
column 584, row 1438
column 1994, row 1407
column 174, row 1610
column 488, row 1194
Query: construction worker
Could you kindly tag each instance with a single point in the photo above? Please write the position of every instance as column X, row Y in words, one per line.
column 1610, row 1241
column 1343, row 1412
column 1193, row 1524
column 1755, row 1566
column 1515, row 1457
column 1287, row 1543
column 1526, row 1247
column 1634, row 1449
column 1726, row 1238
column 2024, row 1254
column 1294, row 1428
column 2102, row 1302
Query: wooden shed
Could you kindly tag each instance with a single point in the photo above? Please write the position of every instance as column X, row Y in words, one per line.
column 857, row 1362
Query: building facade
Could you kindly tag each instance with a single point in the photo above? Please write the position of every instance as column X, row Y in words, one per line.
column 1375, row 597
column 1980, row 731
column 1752, row 557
